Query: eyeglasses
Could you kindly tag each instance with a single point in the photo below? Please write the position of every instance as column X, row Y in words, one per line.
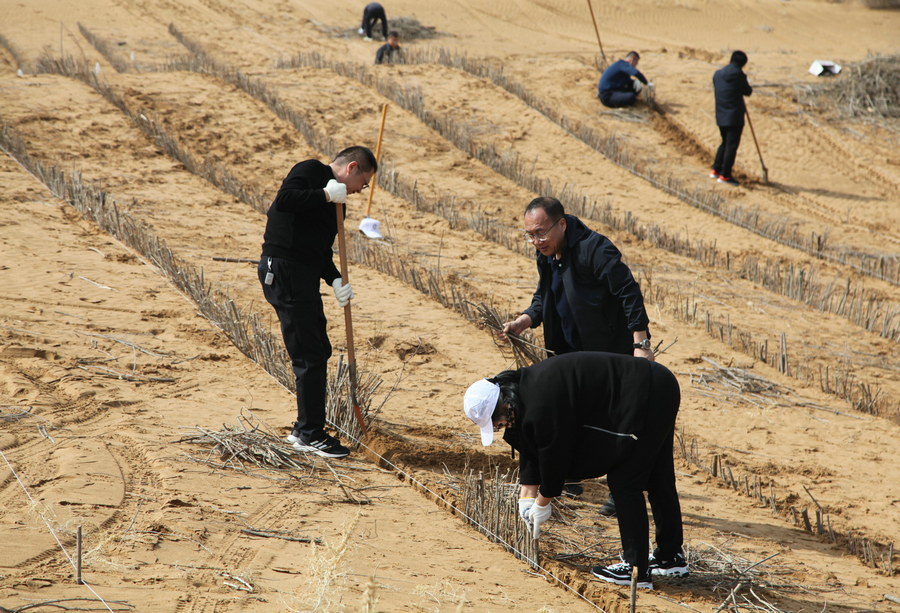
column 542, row 237
column 364, row 187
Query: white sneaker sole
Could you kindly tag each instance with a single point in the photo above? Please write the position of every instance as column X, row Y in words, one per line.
column 293, row 439
column 644, row 585
column 319, row 452
column 669, row 572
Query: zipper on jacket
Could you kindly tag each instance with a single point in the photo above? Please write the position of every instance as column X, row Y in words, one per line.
column 611, row 432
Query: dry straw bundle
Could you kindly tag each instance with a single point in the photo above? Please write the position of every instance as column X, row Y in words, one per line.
column 865, row 89
column 247, row 443
column 523, row 347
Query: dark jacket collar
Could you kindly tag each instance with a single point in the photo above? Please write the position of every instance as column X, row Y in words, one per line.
column 576, row 231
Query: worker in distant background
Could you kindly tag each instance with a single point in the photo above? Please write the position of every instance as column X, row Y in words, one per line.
column 730, row 84
column 620, row 84
column 388, row 49
column 372, row 13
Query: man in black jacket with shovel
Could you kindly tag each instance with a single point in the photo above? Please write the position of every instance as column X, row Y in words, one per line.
column 296, row 256
column 730, row 85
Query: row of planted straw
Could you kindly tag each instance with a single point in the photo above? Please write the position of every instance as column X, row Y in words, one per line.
column 881, row 317
column 431, row 282
column 861, row 306
column 776, row 228
column 245, row 330
column 491, row 507
column 739, row 386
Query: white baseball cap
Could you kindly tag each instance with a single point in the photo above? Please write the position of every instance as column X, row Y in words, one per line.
column 370, row 227
column 479, row 404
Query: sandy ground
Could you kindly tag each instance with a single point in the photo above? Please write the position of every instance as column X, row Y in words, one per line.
column 105, row 366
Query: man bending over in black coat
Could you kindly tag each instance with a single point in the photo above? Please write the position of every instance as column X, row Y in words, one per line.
column 583, row 415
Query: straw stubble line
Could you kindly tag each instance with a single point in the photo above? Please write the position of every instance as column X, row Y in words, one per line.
column 779, row 229
column 246, row 332
column 763, row 490
column 431, row 281
column 882, row 317
column 446, row 207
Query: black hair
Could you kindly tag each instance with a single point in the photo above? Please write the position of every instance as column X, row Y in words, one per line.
column 551, row 206
column 633, row 54
column 393, row 33
column 363, row 157
column 508, row 380
column 739, row 58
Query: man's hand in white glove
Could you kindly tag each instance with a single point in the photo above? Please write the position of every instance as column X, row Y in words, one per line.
column 524, row 505
column 342, row 292
column 336, row 192
column 536, row 516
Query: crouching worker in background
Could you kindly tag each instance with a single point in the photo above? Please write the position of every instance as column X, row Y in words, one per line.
column 617, row 88
column 583, row 415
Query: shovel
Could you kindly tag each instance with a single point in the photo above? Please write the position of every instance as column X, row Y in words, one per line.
column 765, row 171
column 348, row 318
column 371, row 227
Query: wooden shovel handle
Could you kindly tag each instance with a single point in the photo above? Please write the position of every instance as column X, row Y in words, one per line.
column 377, row 157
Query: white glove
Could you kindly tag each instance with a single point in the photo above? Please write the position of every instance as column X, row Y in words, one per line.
column 524, row 505
column 637, row 86
column 537, row 515
column 342, row 292
column 336, row 192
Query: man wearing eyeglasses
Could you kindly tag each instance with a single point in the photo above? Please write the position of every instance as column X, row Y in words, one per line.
column 587, row 298
column 296, row 255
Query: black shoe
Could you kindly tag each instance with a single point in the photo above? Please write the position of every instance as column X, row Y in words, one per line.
column 608, row 508
column 294, row 436
column 620, row 574
column 728, row 180
column 573, row 489
column 323, row 445
column 676, row 567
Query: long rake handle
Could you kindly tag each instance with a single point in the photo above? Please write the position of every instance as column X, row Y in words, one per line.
column 348, row 317
column 756, row 142
column 377, row 157
column 596, row 30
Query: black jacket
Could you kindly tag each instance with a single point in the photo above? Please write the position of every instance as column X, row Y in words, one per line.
column 730, row 84
column 385, row 52
column 580, row 416
column 605, row 300
column 301, row 224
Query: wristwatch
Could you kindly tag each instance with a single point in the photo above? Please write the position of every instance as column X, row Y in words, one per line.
column 644, row 344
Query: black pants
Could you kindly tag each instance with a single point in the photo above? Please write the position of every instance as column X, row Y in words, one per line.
column 294, row 293
column 372, row 13
column 651, row 468
column 615, row 99
column 731, row 139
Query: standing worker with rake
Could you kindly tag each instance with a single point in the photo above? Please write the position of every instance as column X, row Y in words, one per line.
column 296, row 255
column 730, row 85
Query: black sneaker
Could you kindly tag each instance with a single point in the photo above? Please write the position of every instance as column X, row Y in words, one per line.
column 573, row 489
column 728, row 180
column 620, row 574
column 608, row 508
column 324, row 445
column 676, row 567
